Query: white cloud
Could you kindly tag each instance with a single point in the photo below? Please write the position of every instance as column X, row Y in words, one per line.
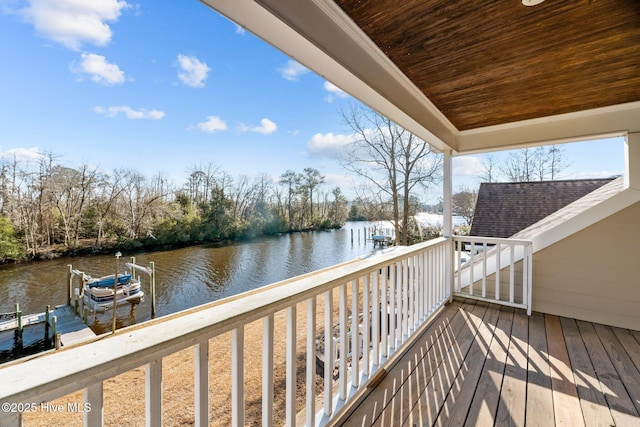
column 240, row 30
column 99, row 69
column 130, row 112
column 334, row 91
column 328, row 145
column 21, row 154
column 266, row 127
column 194, row 72
column 292, row 71
column 74, row 22
column 467, row 166
column 212, row 124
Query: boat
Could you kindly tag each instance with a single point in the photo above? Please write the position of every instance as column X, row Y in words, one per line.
column 98, row 292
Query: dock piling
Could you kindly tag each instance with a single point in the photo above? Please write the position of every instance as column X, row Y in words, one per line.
column 152, row 265
column 115, row 294
column 133, row 270
column 54, row 325
column 76, row 303
column 69, row 283
column 18, row 333
column 47, row 315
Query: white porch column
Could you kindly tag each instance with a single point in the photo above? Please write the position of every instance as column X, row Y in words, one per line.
column 447, row 194
column 447, row 219
column 632, row 161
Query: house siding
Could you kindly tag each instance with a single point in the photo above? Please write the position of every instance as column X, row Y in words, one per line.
column 594, row 274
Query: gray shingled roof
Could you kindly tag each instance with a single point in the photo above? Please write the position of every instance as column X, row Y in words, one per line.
column 503, row 209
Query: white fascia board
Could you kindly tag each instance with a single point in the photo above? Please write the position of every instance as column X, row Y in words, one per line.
column 317, row 34
column 632, row 161
column 591, row 216
column 612, row 121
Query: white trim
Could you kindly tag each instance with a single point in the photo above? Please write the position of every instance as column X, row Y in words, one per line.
column 599, row 123
column 336, row 14
column 632, row 161
column 591, row 216
column 447, row 206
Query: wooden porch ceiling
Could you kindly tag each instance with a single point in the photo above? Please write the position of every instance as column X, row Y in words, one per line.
column 486, row 63
column 469, row 76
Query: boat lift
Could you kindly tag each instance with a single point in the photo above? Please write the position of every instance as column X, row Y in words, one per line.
column 151, row 272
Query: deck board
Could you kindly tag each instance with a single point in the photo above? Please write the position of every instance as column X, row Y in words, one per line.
column 622, row 408
column 631, row 346
column 455, row 408
column 483, row 365
column 594, row 405
column 484, row 403
column 566, row 403
column 389, row 396
column 433, row 397
column 513, row 394
column 539, row 411
column 621, row 362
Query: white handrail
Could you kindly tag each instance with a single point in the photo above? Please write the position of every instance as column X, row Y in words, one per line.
column 504, row 254
column 415, row 273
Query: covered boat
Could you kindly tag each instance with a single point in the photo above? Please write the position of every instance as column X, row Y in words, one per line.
column 98, row 292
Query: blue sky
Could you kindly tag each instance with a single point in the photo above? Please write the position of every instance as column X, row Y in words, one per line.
column 166, row 85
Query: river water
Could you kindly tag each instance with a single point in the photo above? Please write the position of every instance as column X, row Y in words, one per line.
column 189, row 276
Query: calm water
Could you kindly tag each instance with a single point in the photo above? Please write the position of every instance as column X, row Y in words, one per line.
column 186, row 277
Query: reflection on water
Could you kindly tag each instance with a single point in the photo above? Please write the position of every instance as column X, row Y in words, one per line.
column 33, row 341
column 186, row 277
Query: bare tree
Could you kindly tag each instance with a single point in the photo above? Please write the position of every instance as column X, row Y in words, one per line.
column 392, row 160
column 464, row 203
column 520, row 166
column 138, row 197
column 108, row 190
column 489, row 171
column 534, row 164
column 557, row 161
column 310, row 180
column 70, row 190
column 202, row 179
column 290, row 180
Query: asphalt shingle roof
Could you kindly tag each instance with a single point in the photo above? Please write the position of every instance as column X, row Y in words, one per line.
column 504, row 209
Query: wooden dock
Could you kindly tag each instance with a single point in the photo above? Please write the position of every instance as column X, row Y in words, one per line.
column 68, row 324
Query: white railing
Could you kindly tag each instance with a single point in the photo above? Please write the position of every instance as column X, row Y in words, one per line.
column 405, row 285
column 476, row 261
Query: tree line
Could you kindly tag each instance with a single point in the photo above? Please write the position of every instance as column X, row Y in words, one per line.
column 47, row 207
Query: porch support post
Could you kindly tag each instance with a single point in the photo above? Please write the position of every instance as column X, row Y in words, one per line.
column 632, row 161
column 447, row 219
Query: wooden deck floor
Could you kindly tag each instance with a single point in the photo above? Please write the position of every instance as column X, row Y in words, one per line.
column 485, row 365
